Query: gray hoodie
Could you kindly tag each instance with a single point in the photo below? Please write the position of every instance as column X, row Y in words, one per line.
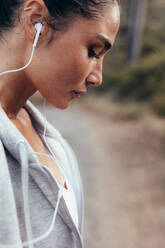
column 29, row 192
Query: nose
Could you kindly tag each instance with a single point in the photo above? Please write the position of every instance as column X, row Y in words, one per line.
column 95, row 77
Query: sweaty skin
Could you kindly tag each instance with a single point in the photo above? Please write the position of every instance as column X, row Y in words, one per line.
column 58, row 68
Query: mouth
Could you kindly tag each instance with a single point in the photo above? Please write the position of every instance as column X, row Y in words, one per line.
column 77, row 93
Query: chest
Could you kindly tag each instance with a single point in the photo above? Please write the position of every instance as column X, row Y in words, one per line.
column 24, row 125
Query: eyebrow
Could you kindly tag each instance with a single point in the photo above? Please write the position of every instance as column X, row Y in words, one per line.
column 107, row 44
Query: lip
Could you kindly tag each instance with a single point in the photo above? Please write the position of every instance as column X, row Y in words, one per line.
column 77, row 93
column 80, row 91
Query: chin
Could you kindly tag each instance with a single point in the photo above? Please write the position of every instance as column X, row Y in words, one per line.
column 59, row 102
column 61, row 105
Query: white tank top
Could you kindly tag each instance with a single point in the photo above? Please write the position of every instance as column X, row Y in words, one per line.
column 70, row 201
column 68, row 195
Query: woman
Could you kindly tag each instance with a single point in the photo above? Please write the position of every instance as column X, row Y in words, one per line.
column 75, row 36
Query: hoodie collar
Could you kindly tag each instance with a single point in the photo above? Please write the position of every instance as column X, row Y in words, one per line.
column 40, row 121
column 10, row 137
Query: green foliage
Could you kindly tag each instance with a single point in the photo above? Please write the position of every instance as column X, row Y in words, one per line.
column 158, row 104
column 142, row 80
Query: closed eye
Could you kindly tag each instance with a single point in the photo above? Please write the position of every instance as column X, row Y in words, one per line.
column 92, row 53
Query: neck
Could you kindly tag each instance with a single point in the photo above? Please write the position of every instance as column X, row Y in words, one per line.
column 13, row 95
column 15, row 88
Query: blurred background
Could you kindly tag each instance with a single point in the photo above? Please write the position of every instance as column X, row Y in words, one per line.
column 134, row 69
column 118, row 134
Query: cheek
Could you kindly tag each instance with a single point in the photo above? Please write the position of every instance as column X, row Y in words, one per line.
column 76, row 68
column 63, row 70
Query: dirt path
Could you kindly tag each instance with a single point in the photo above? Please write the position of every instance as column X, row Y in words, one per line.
column 122, row 166
column 130, row 179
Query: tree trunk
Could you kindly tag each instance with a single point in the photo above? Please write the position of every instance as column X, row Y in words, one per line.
column 137, row 20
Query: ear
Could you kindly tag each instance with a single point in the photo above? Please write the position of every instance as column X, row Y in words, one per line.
column 35, row 11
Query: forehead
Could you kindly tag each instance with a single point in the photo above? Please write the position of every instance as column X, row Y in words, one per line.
column 82, row 30
column 106, row 24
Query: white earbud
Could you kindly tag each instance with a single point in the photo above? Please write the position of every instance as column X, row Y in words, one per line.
column 38, row 27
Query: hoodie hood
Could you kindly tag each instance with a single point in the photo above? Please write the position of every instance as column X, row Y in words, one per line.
column 20, row 149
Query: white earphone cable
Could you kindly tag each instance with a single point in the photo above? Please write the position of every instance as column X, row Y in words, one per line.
column 30, row 243
column 38, row 27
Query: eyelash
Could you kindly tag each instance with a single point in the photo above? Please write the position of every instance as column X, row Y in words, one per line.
column 91, row 53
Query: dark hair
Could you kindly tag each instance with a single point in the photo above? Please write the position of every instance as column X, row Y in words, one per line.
column 61, row 11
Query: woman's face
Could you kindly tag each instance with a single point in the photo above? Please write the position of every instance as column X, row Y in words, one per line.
column 74, row 59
